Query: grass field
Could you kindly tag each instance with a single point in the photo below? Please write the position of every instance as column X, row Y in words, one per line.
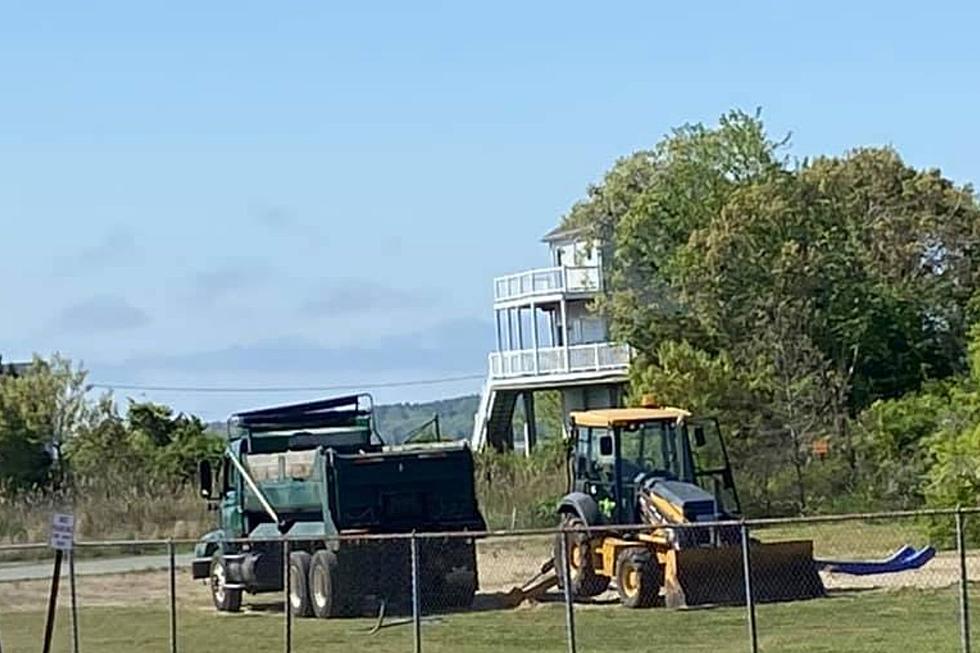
column 917, row 612
column 899, row 620
column 872, row 539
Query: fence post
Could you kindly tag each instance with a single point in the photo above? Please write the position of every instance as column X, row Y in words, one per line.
column 287, row 635
column 173, row 595
column 52, row 602
column 749, row 600
column 569, row 607
column 416, row 602
column 964, row 598
column 74, row 602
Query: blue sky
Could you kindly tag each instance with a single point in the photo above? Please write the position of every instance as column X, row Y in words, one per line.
column 258, row 193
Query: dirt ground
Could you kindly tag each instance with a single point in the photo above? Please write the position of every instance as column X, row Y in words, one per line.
column 503, row 564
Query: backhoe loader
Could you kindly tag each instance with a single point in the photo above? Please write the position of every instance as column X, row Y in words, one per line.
column 667, row 471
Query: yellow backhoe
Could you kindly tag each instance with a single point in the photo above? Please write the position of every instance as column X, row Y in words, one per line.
column 666, row 470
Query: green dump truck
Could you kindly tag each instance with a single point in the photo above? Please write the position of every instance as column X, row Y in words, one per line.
column 308, row 473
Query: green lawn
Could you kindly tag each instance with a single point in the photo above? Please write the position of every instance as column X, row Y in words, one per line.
column 851, row 539
column 903, row 620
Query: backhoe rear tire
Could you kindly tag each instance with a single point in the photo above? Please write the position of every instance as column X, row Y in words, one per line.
column 300, row 603
column 585, row 581
column 638, row 578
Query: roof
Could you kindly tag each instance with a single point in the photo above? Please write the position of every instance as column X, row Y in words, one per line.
column 562, row 232
column 608, row 417
column 14, row 369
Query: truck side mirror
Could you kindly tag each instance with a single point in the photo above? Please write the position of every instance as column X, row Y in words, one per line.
column 699, row 439
column 606, row 445
column 205, row 478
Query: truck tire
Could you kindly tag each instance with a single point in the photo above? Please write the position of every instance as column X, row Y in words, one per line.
column 299, row 579
column 459, row 580
column 638, row 578
column 585, row 581
column 225, row 599
column 326, row 593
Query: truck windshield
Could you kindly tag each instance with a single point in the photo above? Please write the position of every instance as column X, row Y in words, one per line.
column 651, row 448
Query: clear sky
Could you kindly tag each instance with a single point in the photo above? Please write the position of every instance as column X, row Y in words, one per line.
column 258, row 193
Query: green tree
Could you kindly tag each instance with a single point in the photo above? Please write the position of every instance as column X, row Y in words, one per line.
column 150, row 446
column 39, row 410
column 829, row 284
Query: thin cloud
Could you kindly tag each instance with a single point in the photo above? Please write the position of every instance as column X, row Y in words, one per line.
column 285, row 222
column 357, row 296
column 101, row 313
column 116, row 247
column 454, row 346
column 214, row 284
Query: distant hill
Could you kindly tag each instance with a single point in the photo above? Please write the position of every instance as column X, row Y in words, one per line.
column 395, row 421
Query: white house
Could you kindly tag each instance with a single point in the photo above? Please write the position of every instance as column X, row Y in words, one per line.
column 548, row 338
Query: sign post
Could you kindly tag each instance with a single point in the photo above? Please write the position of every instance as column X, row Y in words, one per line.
column 62, row 539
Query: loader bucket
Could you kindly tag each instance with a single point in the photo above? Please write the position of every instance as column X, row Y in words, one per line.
column 781, row 571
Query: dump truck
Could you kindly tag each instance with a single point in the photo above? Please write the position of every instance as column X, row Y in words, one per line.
column 667, row 470
column 318, row 476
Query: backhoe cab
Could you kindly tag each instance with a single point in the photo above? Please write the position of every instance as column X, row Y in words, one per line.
column 662, row 468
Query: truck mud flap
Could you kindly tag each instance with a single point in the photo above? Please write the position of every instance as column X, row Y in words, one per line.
column 781, row 571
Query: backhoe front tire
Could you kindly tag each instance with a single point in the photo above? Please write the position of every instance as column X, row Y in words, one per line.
column 300, row 603
column 225, row 599
column 638, row 578
column 585, row 581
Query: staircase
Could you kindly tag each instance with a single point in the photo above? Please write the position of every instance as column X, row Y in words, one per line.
column 492, row 422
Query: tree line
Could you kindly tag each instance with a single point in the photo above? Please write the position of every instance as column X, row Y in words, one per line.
column 825, row 309
column 55, row 436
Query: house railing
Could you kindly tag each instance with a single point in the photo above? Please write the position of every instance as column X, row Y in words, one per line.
column 595, row 357
column 546, row 281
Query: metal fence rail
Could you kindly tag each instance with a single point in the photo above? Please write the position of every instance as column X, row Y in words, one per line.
column 426, row 595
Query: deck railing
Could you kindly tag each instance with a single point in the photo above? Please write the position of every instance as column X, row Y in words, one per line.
column 595, row 357
column 546, row 281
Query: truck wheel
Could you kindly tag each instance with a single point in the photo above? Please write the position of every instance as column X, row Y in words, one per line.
column 457, row 583
column 638, row 578
column 324, row 585
column 585, row 581
column 459, row 588
column 225, row 599
column 299, row 578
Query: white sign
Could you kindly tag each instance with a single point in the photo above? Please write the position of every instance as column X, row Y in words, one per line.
column 62, row 532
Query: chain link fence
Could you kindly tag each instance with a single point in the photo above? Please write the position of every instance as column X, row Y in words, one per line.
column 876, row 582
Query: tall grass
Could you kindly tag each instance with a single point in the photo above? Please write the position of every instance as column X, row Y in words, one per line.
column 512, row 490
column 104, row 513
column 518, row 491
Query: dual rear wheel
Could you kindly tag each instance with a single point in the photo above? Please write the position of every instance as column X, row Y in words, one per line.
column 314, row 585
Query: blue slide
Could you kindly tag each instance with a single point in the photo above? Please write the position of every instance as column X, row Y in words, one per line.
column 905, row 558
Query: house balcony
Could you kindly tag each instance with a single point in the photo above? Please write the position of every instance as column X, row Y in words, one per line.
column 579, row 360
column 545, row 282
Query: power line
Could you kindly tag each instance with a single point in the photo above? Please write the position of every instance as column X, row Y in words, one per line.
column 269, row 389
